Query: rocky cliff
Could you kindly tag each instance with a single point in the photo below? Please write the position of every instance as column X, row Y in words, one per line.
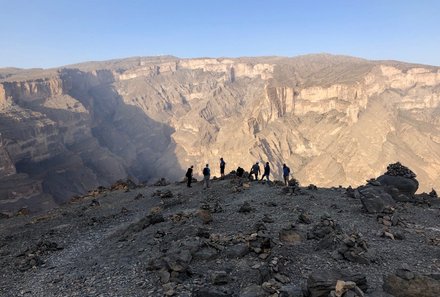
column 334, row 120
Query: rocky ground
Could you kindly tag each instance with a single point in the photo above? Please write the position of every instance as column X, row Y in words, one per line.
column 237, row 238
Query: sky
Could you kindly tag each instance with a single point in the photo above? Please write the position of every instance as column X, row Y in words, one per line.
column 51, row 33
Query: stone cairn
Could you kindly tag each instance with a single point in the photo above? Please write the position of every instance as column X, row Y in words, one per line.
column 162, row 182
column 397, row 169
column 353, row 248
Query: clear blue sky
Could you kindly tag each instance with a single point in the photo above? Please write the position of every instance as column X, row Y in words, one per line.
column 49, row 33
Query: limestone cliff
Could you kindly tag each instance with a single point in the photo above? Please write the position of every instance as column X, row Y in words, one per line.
column 334, row 120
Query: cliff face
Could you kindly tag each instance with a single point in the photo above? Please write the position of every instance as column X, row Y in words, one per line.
column 333, row 120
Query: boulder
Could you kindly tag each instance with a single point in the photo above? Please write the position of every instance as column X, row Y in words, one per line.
column 404, row 283
column 321, row 283
column 399, row 185
column 375, row 199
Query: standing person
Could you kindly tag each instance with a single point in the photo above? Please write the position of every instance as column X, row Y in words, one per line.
column 222, row 168
column 256, row 170
column 286, row 173
column 206, row 176
column 266, row 172
column 189, row 176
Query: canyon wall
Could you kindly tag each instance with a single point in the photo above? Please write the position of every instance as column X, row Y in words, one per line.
column 334, row 120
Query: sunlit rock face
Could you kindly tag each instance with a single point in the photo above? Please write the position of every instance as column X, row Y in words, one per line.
column 334, row 120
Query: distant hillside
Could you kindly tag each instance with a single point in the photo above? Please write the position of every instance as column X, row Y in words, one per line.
column 335, row 120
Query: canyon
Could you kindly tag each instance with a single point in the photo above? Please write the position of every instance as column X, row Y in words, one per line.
column 334, row 120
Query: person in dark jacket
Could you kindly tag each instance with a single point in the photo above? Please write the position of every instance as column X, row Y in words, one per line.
column 286, row 173
column 206, row 176
column 189, row 176
column 255, row 170
column 222, row 167
column 266, row 172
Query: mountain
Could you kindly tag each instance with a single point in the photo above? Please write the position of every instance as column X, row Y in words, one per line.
column 334, row 120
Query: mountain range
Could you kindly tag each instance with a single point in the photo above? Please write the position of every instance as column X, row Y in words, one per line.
column 334, row 120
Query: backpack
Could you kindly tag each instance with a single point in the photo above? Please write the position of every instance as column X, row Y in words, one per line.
column 206, row 171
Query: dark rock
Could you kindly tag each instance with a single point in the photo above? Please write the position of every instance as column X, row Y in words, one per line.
column 138, row 196
column 164, row 194
column 32, row 257
column 350, row 192
column 236, row 251
column 5, row 215
column 203, row 232
column 24, row 211
column 246, row 207
column 178, row 260
column 206, row 253
column 408, row 284
column 375, row 199
column 397, row 169
column 161, row 183
column 253, row 291
column 267, row 219
column 290, row 291
column 220, row 277
column 304, row 218
column 403, row 185
column 312, row 187
column 212, row 292
column 321, row 283
column 156, row 218
column 164, row 276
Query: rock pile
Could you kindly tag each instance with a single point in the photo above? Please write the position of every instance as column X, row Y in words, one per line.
column 312, row 187
column 326, row 231
column 125, row 185
column 400, row 182
column 162, row 182
column 353, row 248
column 390, row 219
column 173, row 266
column 31, row 258
column 163, row 194
column 397, row 169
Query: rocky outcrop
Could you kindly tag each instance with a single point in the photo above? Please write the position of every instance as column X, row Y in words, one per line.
column 333, row 120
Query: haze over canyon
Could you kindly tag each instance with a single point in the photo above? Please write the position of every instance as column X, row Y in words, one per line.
column 335, row 120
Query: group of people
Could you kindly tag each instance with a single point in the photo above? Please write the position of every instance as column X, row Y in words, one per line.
column 255, row 171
